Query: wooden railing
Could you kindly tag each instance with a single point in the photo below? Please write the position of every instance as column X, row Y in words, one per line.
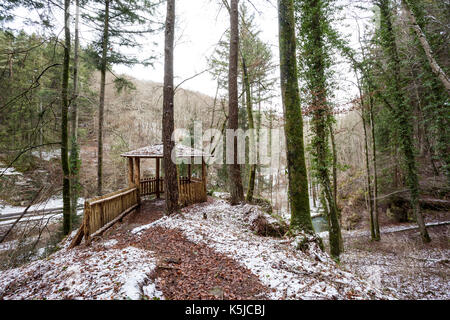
column 190, row 190
column 149, row 186
column 100, row 213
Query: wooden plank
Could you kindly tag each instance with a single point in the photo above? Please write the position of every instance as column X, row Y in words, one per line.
column 137, row 176
column 130, row 172
column 78, row 237
column 108, row 198
column 158, row 192
column 204, row 179
column 86, row 219
column 110, row 224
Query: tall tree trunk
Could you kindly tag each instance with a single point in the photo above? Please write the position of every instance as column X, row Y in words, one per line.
column 260, row 178
column 315, row 53
column 295, row 154
column 74, row 152
column 102, row 99
column 334, row 165
column 374, row 161
column 401, row 114
column 334, row 175
column 366, row 154
column 234, row 169
column 251, row 126
column 426, row 47
column 437, row 111
column 67, row 225
column 170, row 168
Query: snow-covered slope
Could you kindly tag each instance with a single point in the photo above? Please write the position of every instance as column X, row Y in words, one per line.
column 96, row 272
column 288, row 272
column 107, row 270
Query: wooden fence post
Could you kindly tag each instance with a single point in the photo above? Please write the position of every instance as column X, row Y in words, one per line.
column 137, row 177
column 204, row 179
column 157, row 178
column 130, row 172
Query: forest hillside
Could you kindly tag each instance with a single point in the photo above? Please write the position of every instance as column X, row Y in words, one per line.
column 318, row 169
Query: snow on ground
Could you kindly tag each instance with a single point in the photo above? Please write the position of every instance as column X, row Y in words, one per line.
column 9, row 172
column 384, row 230
column 47, row 155
column 421, row 275
column 96, row 272
column 289, row 273
column 52, row 203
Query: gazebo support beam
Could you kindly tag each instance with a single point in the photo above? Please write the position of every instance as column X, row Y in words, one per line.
column 190, row 169
column 130, row 173
column 137, row 176
column 158, row 195
column 204, row 177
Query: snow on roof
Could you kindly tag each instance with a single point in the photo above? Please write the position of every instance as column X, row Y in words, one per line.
column 156, row 151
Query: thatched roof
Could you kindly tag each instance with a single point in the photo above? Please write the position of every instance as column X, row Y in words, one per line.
column 156, row 151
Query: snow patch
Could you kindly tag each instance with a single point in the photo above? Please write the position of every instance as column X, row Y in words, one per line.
column 82, row 273
column 289, row 273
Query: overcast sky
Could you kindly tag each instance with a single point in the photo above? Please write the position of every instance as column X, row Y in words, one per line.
column 200, row 26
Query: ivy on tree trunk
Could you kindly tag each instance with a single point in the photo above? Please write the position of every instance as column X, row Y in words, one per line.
column 295, row 154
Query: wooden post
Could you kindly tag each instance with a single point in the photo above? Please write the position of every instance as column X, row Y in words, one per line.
column 157, row 178
column 204, row 178
column 87, row 216
column 137, row 177
column 130, row 173
column 190, row 169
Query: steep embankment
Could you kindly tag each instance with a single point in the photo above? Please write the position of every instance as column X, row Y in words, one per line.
column 207, row 251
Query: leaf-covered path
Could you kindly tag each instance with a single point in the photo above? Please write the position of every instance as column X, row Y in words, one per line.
column 205, row 251
column 184, row 269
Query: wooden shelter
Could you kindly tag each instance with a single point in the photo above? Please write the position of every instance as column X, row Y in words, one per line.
column 191, row 189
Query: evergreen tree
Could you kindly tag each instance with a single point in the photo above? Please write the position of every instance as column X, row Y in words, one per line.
column 234, row 169
column 120, row 24
column 170, row 169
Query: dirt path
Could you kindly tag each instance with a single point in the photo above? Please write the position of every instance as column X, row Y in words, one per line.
column 186, row 270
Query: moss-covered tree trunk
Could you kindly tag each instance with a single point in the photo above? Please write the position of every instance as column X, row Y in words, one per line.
column 102, row 99
column 366, row 157
column 401, row 112
column 170, row 168
column 234, row 169
column 316, row 58
column 375, row 172
column 74, row 152
column 295, row 154
column 67, row 221
column 436, row 110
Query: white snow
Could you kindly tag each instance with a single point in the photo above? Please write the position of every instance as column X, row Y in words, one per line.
column 9, row 172
column 384, row 230
column 289, row 273
column 52, row 203
column 83, row 273
column 47, row 155
column 422, row 275
column 144, row 227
